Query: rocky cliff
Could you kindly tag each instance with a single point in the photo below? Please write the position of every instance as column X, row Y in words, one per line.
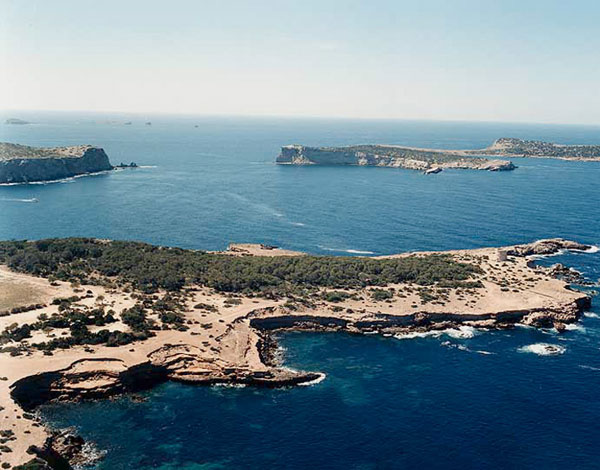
column 387, row 156
column 24, row 164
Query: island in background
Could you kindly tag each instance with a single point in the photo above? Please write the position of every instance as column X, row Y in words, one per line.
column 435, row 160
column 120, row 316
column 25, row 164
column 16, row 121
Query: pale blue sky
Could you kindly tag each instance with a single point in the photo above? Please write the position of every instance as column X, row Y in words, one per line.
column 507, row 60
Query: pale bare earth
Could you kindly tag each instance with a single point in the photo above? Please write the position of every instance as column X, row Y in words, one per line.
column 223, row 342
column 252, row 249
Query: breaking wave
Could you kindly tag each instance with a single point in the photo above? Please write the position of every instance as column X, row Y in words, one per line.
column 322, row 376
column 417, row 334
column 462, row 347
column 575, row 327
column 543, row 349
column 462, row 332
column 7, row 199
column 583, row 366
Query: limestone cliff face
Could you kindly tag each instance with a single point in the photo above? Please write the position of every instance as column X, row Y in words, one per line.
column 22, row 164
column 387, row 156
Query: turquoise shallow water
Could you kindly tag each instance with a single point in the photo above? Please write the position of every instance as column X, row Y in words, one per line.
column 444, row 402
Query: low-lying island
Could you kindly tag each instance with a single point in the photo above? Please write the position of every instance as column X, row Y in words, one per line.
column 432, row 161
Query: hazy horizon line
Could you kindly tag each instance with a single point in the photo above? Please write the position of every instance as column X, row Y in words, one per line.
column 296, row 116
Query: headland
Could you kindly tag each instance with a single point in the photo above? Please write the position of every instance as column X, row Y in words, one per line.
column 24, row 164
column 89, row 318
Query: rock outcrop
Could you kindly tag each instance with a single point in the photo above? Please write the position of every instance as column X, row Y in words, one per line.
column 24, row 164
column 387, row 156
column 547, row 247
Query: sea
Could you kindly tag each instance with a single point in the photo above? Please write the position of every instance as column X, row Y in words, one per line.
column 470, row 399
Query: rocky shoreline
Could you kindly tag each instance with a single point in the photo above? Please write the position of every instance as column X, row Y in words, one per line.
column 63, row 448
column 243, row 350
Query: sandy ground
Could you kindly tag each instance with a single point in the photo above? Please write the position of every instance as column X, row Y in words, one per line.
column 221, row 339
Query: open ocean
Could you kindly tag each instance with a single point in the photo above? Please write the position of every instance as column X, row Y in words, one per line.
column 484, row 400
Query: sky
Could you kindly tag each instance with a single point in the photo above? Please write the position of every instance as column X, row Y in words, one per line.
column 504, row 60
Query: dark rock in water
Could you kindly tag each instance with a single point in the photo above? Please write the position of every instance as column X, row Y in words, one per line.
column 560, row 327
column 24, row 164
column 135, row 398
column 125, row 165
column 36, row 464
column 63, row 450
column 148, row 123
column 565, row 273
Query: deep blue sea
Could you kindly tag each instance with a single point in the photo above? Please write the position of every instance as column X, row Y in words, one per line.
column 435, row 402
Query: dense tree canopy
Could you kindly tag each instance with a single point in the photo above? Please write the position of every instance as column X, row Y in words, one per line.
column 148, row 267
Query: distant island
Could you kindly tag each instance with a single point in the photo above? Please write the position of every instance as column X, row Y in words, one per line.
column 25, row 164
column 435, row 160
column 16, row 121
column 427, row 160
column 89, row 318
column 511, row 147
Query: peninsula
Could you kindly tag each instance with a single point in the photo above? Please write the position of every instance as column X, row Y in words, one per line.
column 118, row 317
column 25, row 164
column 435, row 160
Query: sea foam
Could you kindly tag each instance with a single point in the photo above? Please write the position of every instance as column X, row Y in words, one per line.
column 322, row 376
column 462, row 332
column 7, row 199
column 419, row 334
column 543, row 349
column 575, row 327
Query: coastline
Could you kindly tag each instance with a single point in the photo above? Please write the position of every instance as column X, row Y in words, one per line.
column 61, row 180
column 242, row 349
